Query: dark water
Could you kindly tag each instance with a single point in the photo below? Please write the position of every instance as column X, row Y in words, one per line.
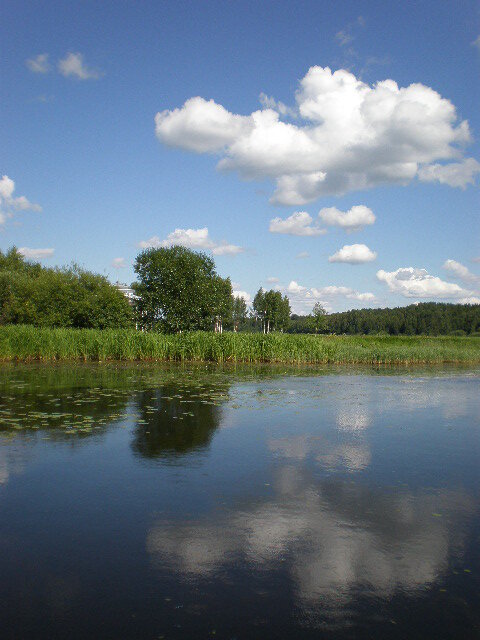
column 156, row 503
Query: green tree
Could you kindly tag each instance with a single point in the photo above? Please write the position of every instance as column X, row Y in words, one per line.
column 319, row 318
column 179, row 290
column 272, row 310
column 67, row 297
column 240, row 312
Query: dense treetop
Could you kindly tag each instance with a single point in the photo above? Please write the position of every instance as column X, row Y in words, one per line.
column 179, row 290
column 66, row 297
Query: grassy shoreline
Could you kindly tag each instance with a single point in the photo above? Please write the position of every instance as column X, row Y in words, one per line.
column 22, row 343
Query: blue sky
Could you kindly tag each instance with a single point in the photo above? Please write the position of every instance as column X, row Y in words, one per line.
column 297, row 116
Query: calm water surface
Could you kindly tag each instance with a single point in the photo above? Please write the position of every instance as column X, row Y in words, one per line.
column 177, row 502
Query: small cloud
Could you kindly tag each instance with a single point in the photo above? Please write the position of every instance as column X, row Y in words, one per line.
column 227, row 250
column 476, row 43
column 302, row 255
column 272, row 280
column 477, row 259
column 73, row 65
column 353, row 254
column 298, row 224
column 193, row 239
column 39, row 64
column 295, row 288
column 352, row 220
column 36, row 254
column 242, row 294
column 118, row 263
column 9, row 205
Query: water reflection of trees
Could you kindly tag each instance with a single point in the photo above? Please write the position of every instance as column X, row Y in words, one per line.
column 171, row 424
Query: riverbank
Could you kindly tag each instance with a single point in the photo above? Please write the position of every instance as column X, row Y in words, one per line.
column 27, row 343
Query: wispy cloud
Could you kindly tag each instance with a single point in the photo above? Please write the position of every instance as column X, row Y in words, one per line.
column 118, row 263
column 36, row 254
column 72, row 65
column 39, row 64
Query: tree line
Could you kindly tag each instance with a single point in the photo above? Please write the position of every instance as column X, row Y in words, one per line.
column 178, row 290
column 425, row 318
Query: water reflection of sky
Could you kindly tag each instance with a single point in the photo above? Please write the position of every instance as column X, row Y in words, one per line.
column 346, row 498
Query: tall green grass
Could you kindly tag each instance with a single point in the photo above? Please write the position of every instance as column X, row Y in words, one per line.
column 27, row 343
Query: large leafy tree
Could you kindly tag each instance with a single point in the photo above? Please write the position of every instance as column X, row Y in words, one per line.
column 179, row 290
column 67, row 297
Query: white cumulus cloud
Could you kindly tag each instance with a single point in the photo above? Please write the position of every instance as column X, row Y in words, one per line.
column 418, row 283
column 9, row 204
column 298, row 224
column 192, row 239
column 303, row 298
column 36, row 254
column 242, row 294
column 354, row 219
column 38, row 64
column 350, row 135
column 353, row 254
column 73, row 65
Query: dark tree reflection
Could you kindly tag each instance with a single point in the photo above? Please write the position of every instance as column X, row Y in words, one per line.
column 171, row 424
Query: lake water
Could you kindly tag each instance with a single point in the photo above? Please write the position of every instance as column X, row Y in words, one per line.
column 194, row 502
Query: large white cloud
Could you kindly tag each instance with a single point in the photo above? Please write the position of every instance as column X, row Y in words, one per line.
column 418, row 283
column 353, row 254
column 354, row 219
column 73, row 65
column 36, row 254
column 353, row 136
column 298, row 224
column 9, row 204
column 192, row 239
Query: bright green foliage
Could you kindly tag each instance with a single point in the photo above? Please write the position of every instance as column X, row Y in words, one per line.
column 319, row 318
column 69, row 297
column 272, row 310
column 179, row 290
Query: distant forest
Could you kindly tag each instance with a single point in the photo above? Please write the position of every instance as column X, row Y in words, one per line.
column 426, row 318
